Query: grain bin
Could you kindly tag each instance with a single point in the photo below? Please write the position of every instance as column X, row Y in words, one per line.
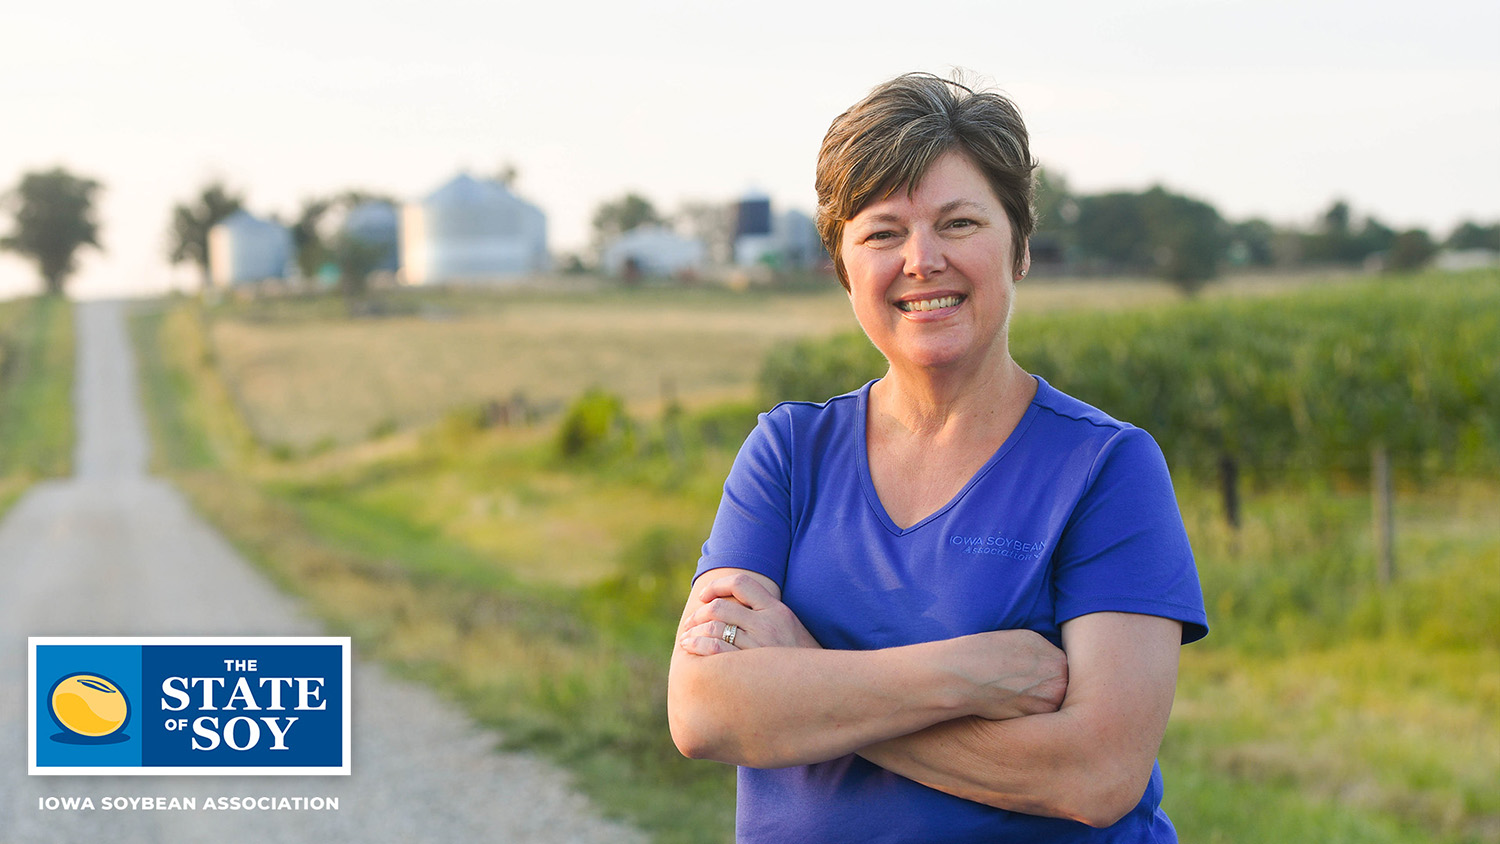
column 244, row 248
column 471, row 231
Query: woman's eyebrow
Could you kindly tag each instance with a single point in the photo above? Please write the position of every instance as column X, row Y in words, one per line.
column 946, row 208
column 955, row 204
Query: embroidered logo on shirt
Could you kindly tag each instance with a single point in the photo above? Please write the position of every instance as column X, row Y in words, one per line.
column 998, row 546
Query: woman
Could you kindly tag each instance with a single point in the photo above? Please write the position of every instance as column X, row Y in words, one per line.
column 874, row 631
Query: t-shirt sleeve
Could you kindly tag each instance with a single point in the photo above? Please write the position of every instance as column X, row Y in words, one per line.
column 753, row 528
column 1125, row 548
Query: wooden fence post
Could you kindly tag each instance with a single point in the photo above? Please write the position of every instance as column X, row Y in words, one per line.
column 1381, row 495
column 1229, row 485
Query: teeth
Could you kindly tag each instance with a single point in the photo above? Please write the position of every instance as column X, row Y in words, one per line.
column 929, row 304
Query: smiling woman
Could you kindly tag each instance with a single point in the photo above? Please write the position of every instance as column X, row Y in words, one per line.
column 941, row 695
column 930, row 271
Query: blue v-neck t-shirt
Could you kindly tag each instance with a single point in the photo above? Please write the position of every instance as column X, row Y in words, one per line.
column 1074, row 514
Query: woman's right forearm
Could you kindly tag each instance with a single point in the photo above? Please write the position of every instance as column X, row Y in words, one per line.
column 775, row 707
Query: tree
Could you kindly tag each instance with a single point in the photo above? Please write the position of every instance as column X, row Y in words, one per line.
column 1056, row 213
column 1471, row 235
column 616, row 217
column 1187, row 238
column 317, row 246
column 192, row 220
column 1056, row 206
column 1252, row 243
column 1411, row 250
column 54, row 218
column 355, row 258
column 1331, row 240
column 312, row 253
column 712, row 223
column 1159, row 232
column 1112, row 228
column 1374, row 238
column 1335, row 240
column 1336, row 219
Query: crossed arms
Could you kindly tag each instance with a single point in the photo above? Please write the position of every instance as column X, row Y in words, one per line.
column 1001, row 718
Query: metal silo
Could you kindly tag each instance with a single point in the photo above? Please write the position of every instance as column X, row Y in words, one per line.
column 244, row 248
column 471, row 230
column 752, row 215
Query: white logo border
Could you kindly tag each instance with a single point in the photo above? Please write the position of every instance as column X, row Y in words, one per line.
column 343, row 642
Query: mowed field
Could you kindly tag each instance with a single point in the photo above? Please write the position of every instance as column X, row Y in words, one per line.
column 306, row 382
column 302, row 383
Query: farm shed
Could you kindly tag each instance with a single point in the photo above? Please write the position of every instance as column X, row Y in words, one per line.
column 654, row 251
column 471, row 231
column 244, row 248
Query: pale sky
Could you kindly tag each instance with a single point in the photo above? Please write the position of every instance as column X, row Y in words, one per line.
column 1271, row 108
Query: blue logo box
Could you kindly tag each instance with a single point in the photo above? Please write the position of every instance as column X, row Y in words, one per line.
column 189, row 705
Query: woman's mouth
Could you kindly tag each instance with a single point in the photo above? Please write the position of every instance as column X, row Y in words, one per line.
column 916, row 305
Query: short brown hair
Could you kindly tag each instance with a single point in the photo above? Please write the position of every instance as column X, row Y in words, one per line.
column 886, row 142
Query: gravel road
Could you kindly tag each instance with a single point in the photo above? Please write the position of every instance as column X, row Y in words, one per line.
column 113, row 551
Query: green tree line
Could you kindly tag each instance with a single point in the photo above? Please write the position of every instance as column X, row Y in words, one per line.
column 1163, row 234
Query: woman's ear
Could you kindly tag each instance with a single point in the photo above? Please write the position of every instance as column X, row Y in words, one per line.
column 1025, row 266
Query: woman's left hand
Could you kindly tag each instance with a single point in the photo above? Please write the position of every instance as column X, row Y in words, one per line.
column 758, row 617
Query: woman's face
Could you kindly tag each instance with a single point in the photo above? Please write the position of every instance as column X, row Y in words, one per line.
column 930, row 272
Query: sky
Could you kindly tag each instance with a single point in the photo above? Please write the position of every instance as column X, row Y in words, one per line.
column 1272, row 108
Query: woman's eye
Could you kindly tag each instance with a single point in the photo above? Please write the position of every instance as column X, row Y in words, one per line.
column 962, row 224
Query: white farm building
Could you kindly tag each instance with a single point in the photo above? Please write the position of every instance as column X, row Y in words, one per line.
column 244, row 248
column 654, row 251
column 471, row 231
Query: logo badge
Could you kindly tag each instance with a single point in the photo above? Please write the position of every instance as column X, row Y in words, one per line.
column 201, row 705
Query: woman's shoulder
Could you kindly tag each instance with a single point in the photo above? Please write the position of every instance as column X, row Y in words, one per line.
column 1066, row 407
column 838, row 410
column 1063, row 416
column 800, row 430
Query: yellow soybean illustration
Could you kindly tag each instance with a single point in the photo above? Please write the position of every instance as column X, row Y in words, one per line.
column 89, row 705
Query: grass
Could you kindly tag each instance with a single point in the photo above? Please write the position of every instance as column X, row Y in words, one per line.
column 1386, row 729
column 308, row 383
column 1359, row 712
column 541, row 592
column 36, row 393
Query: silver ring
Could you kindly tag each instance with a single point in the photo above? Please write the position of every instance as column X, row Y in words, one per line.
column 730, row 631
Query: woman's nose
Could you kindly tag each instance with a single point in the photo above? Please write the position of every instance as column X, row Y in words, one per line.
column 924, row 256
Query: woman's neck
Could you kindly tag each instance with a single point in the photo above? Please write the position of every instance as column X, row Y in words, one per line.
column 935, row 405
